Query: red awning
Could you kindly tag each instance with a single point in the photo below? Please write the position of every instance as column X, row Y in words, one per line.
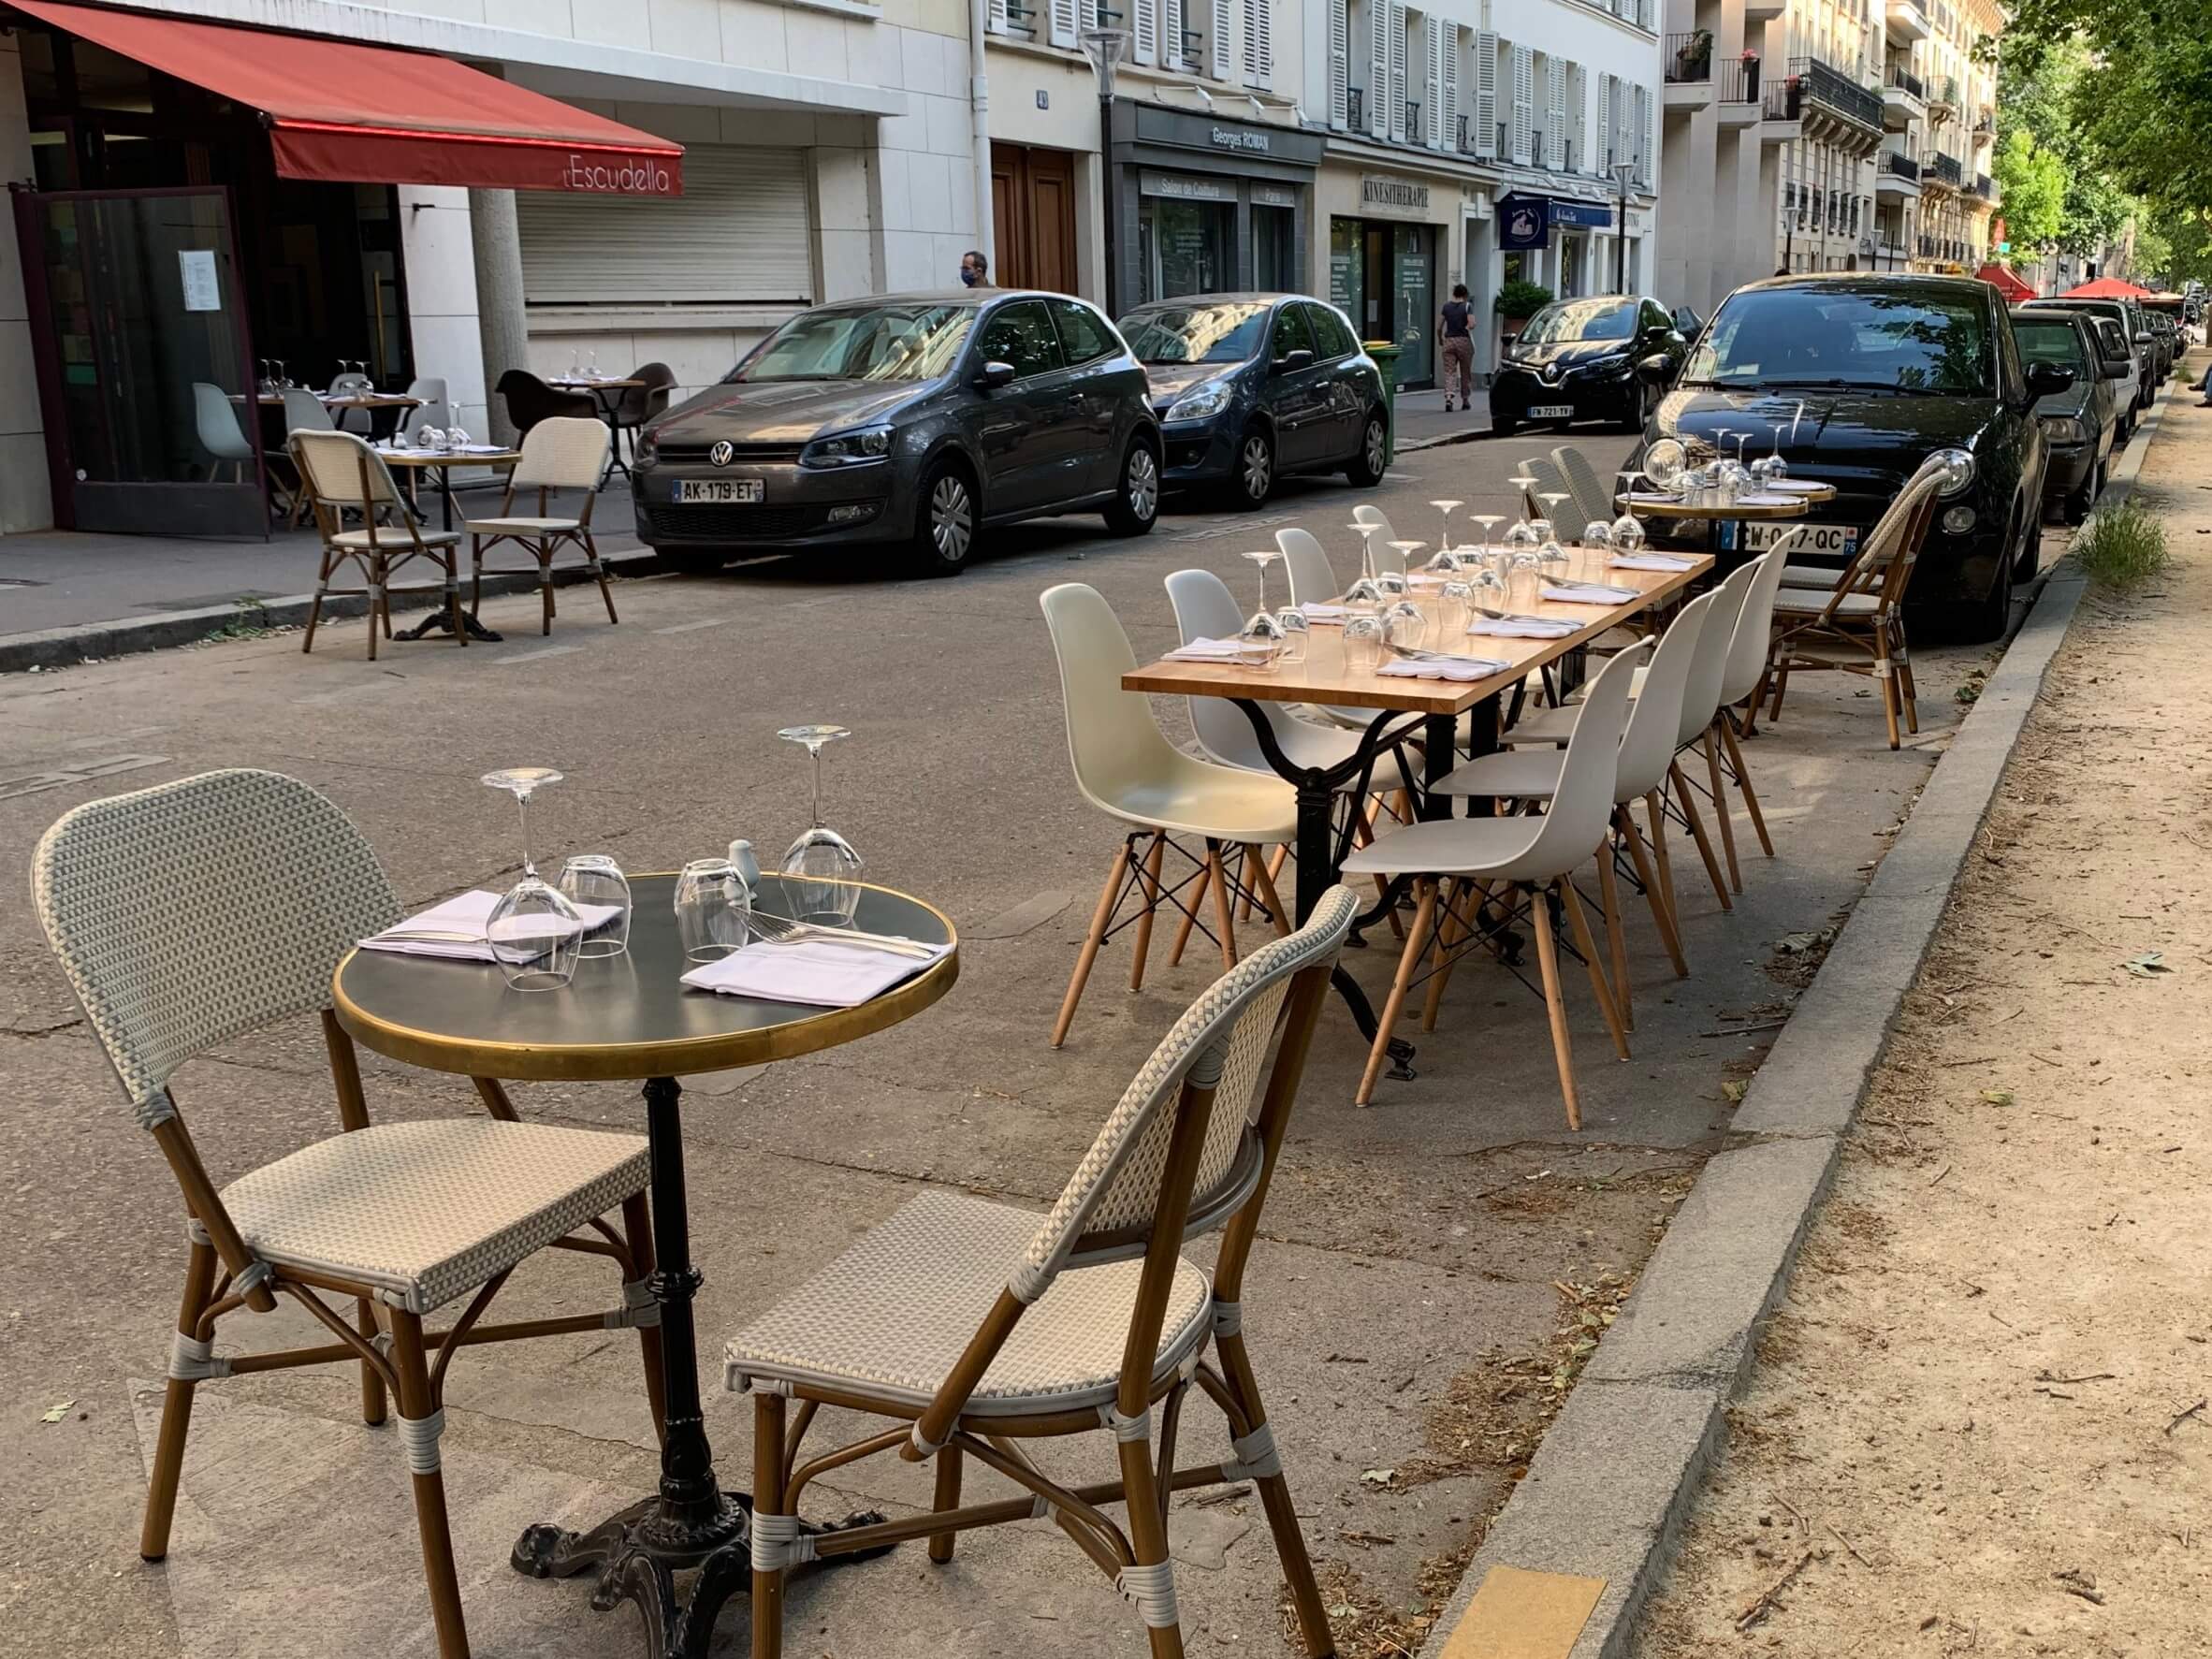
column 375, row 114
column 2003, row 280
column 2106, row 288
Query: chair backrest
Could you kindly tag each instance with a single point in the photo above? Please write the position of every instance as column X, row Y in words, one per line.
column 1653, row 732
column 304, row 413
column 1312, row 580
column 1582, row 804
column 1755, row 627
column 638, row 404
column 434, row 408
column 1701, row 691
column 1113, row 740
column 1387, row 559
column 565, row 452
column 220, row 433
column 1206, row 609
column 1883, row 567
column 1549, row 480
column 351, row 381
column 1593, row 501
column 190, row 913
column 341, row 471
column 529, row 400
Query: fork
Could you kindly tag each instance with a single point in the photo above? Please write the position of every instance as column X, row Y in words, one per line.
column 782, row 930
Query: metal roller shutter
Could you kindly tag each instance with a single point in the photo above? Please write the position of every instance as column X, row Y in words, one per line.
column 737, row 235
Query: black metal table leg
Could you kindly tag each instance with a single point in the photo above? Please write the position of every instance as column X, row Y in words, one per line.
column 692, row 1522
column 437, row 621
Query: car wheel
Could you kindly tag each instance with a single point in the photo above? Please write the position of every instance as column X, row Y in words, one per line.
column 1254, row 480
column 1638, row 409
column 2029, row 558
column 945, row 530
column 2079, row 501
column 1503, row 426
column 1367, row 467
column 1133, row 511
column 692, row 561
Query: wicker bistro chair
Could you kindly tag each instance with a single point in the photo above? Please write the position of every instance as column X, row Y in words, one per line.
column 1593, row 501
column 1858, row 624
column 565, row 452
column 263, row 886
column 342, row 474
column 977, row 1327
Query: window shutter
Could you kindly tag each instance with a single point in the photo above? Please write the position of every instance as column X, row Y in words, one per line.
column 1641, row 139
column 1378, row 67
column 1397, row 29
column 998, row 17
column 1578, row 99
column 1252, row 12
column 1063, row 20
column 1144, row 24
column 1432, row 33
column 1524, row 99
column 1263, row 31
column 1340, row 62
column 1601, row 142
column 1486, row 93
column 1555, row 116
column 1448, row 54
column 1171, row 34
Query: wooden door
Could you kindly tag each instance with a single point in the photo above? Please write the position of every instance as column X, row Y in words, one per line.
column 1033, row 213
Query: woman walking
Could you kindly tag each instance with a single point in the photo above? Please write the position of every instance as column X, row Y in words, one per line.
column 1458, row 350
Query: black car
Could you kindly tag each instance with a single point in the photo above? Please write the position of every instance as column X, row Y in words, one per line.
column 911, row 420
column 1577, row 359
column 2078, row 423
column 1858, row 379
column 2147, row 373
column 1250, row 386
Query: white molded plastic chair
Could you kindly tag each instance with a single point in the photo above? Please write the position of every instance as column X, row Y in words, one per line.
column 1387, row 559
column 1127, row 768
column 1533, row 856
column 1746, row 672
column 434, row 409
column 562, row 452
column 1206, row 609
column 303, row 412
column 220, row 433
column 351, row 384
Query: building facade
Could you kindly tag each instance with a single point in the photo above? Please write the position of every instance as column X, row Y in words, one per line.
column 1939, row 97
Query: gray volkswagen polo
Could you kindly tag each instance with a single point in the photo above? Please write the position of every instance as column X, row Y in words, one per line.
column 912, row 420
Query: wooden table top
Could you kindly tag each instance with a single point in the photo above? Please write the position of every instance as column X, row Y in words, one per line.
column 353, row 400
column 1707, row 504
column 1326, row 676
column 489, row 458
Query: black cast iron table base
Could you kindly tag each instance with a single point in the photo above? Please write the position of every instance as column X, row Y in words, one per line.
column 691, row 1524
column 438, row 622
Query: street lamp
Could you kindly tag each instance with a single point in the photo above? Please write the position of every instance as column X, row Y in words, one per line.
column 1107, row 48
column 1622, row 172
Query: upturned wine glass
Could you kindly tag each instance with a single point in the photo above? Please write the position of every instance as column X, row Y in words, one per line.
column 534, row 930
column 1597, row 549
column 596, row 879
column 822, row 869
column 1367, row 534
column 1447, row 509
column 1263, row 623
column 1488, row 520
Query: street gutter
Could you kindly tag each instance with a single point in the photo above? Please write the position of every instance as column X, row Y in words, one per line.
column 1617, row 1472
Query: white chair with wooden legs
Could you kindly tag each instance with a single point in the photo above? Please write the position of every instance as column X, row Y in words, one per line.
column 339, row 474
column 1387, row 559
column 1744, row 674
column 1127, row 768
column 973, row 1332
column 189, row 915
column 1646, row 751
column 561, row 453
column 220, row 434
column 1477, row 861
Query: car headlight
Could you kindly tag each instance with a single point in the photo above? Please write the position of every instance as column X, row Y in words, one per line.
column 1959, row 472
column 2064, row 429
column 648, row 449
column 1958, row 520
column 1200, row 401
column 1612, row 362
column 848, row 449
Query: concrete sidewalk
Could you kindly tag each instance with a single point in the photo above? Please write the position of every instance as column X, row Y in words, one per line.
column 1422, row 423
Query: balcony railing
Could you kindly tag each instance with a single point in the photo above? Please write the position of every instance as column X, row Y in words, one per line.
column 1832, row 88
column 1984, row 120
column 1902, row 166
column 1740, row 82
column 1905, row 81
column 1944, row 90
column 1985, row 186
column 1688, row 56
column 1784, row 100
column 1945, row 170
column 1413, row 122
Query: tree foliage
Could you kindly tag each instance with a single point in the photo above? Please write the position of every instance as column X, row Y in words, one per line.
column 2055, row 184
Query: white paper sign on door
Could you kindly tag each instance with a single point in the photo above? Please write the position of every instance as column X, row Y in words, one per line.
column 202, row 291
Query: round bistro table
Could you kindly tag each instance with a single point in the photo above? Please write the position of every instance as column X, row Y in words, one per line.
column 627, row 1017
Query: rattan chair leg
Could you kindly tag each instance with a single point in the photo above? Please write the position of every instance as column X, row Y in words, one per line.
column 1578, row 923
column 1281, row 1516
column 315, row 608
column 1151, row 883
column 1415, row 939
column 1887, row 677
column 176, row 1412
column 1265, row 880
column 1222, row 918
column 543, row 554
column 1183, row 928
column 1720, row 809
column 598, row 570
column 416, row 1403
column 767, row 1497
column 1148, row 1536
column 1608, row 887
column 453, row 604
column 1563, row 1048
column 1090, row 945
column 475, row 572
column 373, row 1411
column 1656, row 890
column 637, row 1233
column 946, row 1496
column 1743, row 784
column 1898, row 655
column 1697, row 823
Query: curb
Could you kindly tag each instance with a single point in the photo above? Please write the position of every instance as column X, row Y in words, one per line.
column 66, row 648
column 1607, row 1493
column 1415, row 445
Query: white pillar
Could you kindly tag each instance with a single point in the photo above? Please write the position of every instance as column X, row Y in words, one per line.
column 502, row 324
column 26, row 494
column 442, row 325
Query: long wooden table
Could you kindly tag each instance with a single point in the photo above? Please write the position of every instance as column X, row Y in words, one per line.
column 1326, row 676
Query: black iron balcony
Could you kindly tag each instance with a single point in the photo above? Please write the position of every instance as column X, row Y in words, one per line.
column 1784, row 100
column 1740, row 82
column 1688, row 56
column 1831, row 89
column 1985, row 186
column 1905, row 81
column 1944, row 169
column 1901, row 166
column 1943, row 95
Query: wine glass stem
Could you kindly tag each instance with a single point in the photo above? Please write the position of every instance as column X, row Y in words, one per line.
column 817, row 753
column 529, row 870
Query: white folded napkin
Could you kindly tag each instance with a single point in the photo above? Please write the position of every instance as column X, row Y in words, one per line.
column 1794, row 486
column 1587, row 593
column 825, row 973
column 1766, row 499
column 1326, row 613
column 1464, row 669
column 1526, row 627
column 1646, row 498
column 1647, row 561
column 1207, row 650
column 466, row 912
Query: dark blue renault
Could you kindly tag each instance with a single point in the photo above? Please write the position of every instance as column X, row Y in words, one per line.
column 1250, row 386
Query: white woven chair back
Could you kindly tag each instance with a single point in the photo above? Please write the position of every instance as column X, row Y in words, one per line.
column 1701, row 691
column 1593, row 501
column 1747, row 647
column 190, row 913
column 1582, row 804
column 331, row 463
column 304, row 413
column 1549, row 481
column 1647, row 746
column 1312, row 580
column 1223, row 1036
column 565, row 452
column 1114, row 743
column 220, row 433
column 1387, row 559
column 1206, row 609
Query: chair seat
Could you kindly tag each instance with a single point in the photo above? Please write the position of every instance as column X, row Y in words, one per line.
column 1811, row 575
column 1487, row 847
column 1800, row 602
column 889, row 1317
column 1546, row 727
column 1200, row 798
column 426, row 1211
column 392, row 540
column 524, row 527
column 1527, row 774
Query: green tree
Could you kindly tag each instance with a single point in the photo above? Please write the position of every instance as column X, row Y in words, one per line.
column 2033, row 185
column 2134, row 81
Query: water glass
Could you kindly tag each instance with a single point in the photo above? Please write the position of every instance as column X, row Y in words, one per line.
column 1296, row 629
column 533, row 934
column 595, row 879
column 713, row 911
column 1362, row 643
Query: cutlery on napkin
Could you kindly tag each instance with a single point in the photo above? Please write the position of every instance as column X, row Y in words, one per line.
column 824, row 973
column 1526, row 627
column 1326, row 613
column 1647, row 561
column 455, row 929
column 1436, row 665
column 1587, row 593
column 1207, row 650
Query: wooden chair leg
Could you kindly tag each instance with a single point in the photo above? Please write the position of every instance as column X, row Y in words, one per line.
column 1274, row 1498
column 1363, row 836
column 475, row 572
column 1743, row 784
column 1656, row 894
column 1608, row 887
column 1265, row 880
column 1190, row 911
column 1416, row 937
column 1090, row 945
column 1903, row 660
column 1563, row 1048
column 372, row 1389
column 176, row 1412
column 1222, row 919
column 315, row 607
column 1720, row 809
column 1450, row 930
column 598, row 572
column 417, row 1405
column 1886, row 676
column 1655, row 817
column 637, row 1233
column 1697, row 823
column 946, row 1497
column 767, row 1497
column 1148, row 1531
column 545, row 558
column 376, row 580
column 1578, row 923
column 1150, row 881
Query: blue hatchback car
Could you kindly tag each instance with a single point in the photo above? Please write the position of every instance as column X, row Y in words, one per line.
column 1250, row 386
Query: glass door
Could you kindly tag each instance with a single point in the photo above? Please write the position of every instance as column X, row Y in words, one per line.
column 138, row 325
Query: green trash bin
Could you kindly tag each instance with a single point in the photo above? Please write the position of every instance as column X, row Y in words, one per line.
column 1385, row 354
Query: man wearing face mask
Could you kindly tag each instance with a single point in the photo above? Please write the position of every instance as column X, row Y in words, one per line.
column 975, row 270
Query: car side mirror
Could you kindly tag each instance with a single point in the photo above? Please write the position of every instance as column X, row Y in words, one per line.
column 1676, row 337
column 1291, row 361
column 2143, row 337
column 993, row 375
column 2046, row 379
column 1655, row 369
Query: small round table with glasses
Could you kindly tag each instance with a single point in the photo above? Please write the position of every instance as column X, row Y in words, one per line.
column 628, row 1017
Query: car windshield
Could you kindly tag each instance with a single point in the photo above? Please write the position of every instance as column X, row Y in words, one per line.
column 1226, row 333
column 2048, row 341
column 1580, row 319
column 1905, row 340
column 910, row 341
